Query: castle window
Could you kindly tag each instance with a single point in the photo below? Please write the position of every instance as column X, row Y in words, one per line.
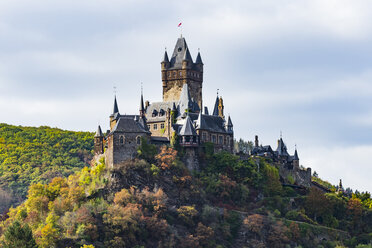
column 121, row 140
column 138, row 139
column 204, row 136
column 180, row 73
column 174, row 74
column 148, row 126
column 228, row 140
column 162, row 126
column 169, row 74
column 187, row 139
column 214, row 139
column 161, row 112
column 154, row 113
column 220, row 139
column 155, row 126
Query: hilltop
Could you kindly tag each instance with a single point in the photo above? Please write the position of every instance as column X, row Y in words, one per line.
column 153, row 200
column 30, row 155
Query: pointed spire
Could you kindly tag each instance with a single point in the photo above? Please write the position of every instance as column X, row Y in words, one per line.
column 187, row 55
column 199, row 121
column 185, row 102
column 187, row 128
column 229, row 125
column 165, row 59
column 198, row 59
column 142, row 106
column 215, row 110
column 116, row 108
column 295, row 157
column 99, row 132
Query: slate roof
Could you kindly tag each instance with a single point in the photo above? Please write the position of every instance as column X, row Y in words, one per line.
column 116, row 108
column 209, row 122
column 198, row 59
column 157, row 106
column 99, row 132
column 215, row 110
column 295, row 156
column 187, row 128
column 180, row 52
column 282, row 148
column 165, row 59
column 185, row 100
column 127, row 124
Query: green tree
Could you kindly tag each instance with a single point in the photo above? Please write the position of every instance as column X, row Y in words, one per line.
column 18, row 236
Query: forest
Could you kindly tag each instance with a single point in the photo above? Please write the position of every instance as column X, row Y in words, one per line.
column 30, row 155
column 155, row 201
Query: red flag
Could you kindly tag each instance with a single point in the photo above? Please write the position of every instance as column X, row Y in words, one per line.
column 179, row 25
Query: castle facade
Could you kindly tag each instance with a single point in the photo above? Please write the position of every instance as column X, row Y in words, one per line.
column 180, row 116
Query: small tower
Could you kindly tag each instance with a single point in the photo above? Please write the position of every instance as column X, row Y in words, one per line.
column 115, row 115
column 179, row 70
column 220, row 108
column 229, row 125
column 142, row 106
column 296, row 160
column 199, row 63
column 215, row 109
column 340, row 189
column 256, row 142
column 98, row 141
column 188, row 135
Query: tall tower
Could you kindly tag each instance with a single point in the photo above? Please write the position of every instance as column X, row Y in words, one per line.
column 180, row 70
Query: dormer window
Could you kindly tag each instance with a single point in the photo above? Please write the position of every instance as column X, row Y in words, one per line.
column 154, row 113
column 161, row 112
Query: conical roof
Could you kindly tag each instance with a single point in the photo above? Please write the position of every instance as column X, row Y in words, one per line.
column 116, row 108
column 180, row 52
column 295, row 157
column 282, row 148
column 142, row 106
column 229, row 122
column 165, row 59
column 215, row 110
column 200, row 122
column 99, row 132
column 198, row 59
column 185, row 102
column 187, row 55
column 187, row 128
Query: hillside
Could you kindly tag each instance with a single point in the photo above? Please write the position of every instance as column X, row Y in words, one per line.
column 31, row 155
column 154, row 201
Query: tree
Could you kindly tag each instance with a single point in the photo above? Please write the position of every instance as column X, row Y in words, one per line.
column 18, row 236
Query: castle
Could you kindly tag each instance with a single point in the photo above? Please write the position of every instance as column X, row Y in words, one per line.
column 181, row 117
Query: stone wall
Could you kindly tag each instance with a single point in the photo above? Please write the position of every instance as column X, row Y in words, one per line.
column 119, row 151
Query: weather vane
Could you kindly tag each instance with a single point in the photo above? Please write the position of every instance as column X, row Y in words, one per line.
column 114, row 89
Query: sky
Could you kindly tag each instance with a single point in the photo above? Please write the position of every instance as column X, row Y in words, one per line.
column 300, row 67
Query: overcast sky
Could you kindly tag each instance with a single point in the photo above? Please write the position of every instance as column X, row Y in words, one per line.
column 296, row 66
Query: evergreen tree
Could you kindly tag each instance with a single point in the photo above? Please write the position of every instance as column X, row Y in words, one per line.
column 18, row 236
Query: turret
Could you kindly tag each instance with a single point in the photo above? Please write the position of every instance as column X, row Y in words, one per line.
column 296, row 159
column 199, row 63
column 256, row 143
column 229, row 125
column 142, row 107
column 221, row 108
column 115, row 114
column 187, row 60
column 98, row 141
column 165, row 63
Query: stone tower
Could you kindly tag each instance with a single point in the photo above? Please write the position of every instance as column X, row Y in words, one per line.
column 98, row 141
column 180, row 70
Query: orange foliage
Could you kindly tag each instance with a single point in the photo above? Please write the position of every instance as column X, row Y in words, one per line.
column 166, row 157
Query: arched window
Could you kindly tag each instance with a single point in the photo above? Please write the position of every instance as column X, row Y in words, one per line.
column 138, row 140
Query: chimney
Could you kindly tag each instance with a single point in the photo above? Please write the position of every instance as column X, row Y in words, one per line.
column 256, row 141
column 147, row 103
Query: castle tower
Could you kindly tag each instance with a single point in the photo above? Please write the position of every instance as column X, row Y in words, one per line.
column 142, row 106
column 220, row 108
column 98, row 141
column 181, row 70
column 115, row 114
column 296, row 160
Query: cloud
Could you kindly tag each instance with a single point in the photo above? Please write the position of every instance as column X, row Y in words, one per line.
column 301, row 67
